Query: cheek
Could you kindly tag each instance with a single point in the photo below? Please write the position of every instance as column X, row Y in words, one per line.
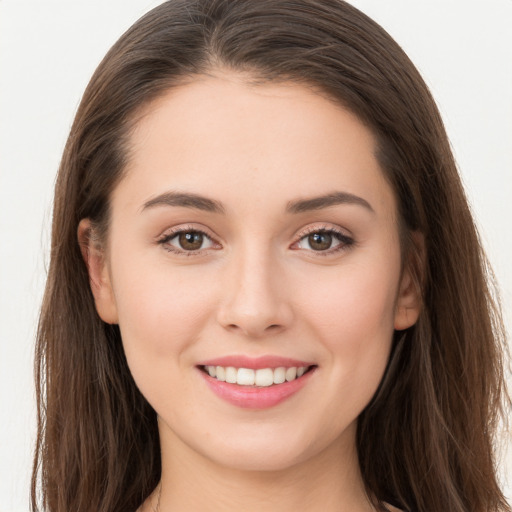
column 161, row 315
column 159, row 308
column 352, row 315
column 356, row 301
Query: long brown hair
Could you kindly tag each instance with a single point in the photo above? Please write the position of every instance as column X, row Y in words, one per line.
column 426, row 441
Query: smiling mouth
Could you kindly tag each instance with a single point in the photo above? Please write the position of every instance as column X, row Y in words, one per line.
column 263, row 377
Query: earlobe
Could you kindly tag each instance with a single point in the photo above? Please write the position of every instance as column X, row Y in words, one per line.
column 409, row 300
column 99, row 275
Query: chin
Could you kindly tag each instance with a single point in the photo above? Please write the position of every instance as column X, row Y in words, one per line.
column 269, row 449
column 265, row 459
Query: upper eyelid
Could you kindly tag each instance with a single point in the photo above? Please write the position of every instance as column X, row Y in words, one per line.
column 184, row 228
column 309, row 229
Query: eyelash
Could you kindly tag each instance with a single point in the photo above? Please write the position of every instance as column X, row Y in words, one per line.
column 165, row 239
column 346, row 242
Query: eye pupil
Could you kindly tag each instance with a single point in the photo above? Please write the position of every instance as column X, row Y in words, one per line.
column 191, row 240
column 320, row 241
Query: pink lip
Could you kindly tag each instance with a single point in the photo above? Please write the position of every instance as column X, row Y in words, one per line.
column 255, row 363
column 253, row 397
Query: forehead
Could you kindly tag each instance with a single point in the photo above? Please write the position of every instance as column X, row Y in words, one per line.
column 222, row 135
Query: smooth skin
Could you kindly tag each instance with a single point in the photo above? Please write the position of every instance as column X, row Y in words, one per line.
column 213, row 249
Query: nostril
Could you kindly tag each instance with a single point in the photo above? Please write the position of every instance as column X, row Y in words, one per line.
column 255, row 321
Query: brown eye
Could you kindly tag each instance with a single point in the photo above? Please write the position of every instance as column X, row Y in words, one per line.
column 320, row 241
column 191, row 240
column 325, row 241
column 187, row 241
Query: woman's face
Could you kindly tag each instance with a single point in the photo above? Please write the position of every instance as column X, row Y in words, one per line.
column 253, row 230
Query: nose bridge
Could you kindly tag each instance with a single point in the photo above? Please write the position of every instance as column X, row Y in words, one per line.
column 255, row 302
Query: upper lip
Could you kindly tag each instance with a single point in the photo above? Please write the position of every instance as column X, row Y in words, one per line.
column 255, row 363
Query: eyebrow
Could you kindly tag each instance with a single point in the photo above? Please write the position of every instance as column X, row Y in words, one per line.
column 331, row 199
column 185, row 200
column 196, row 201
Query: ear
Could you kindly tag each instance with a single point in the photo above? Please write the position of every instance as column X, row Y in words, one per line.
column 409, row 299
column 99, row 276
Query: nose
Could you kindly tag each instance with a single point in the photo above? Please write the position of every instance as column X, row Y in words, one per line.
column 255, row 298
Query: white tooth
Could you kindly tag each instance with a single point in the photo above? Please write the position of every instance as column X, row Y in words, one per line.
column 245, row 377
column 264, row 377
column 300, row 371
column 211, row 370
column 279, row 375
column 291, row 373
column 231, row 375
column 220, row 373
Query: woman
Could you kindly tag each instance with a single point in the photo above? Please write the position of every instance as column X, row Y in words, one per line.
column 266, row 288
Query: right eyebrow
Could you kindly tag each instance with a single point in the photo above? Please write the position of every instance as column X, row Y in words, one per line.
column 185, row 200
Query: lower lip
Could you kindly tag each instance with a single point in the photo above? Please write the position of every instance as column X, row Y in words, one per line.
column 252, row 397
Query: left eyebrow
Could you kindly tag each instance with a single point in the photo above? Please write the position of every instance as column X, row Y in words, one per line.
column 332, row 199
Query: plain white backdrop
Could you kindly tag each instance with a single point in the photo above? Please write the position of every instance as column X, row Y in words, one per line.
column 48, row 51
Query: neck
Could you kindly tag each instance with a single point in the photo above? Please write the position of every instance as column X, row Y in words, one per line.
column 328, row 482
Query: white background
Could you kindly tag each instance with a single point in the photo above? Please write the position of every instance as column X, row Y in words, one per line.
column 48, row 51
